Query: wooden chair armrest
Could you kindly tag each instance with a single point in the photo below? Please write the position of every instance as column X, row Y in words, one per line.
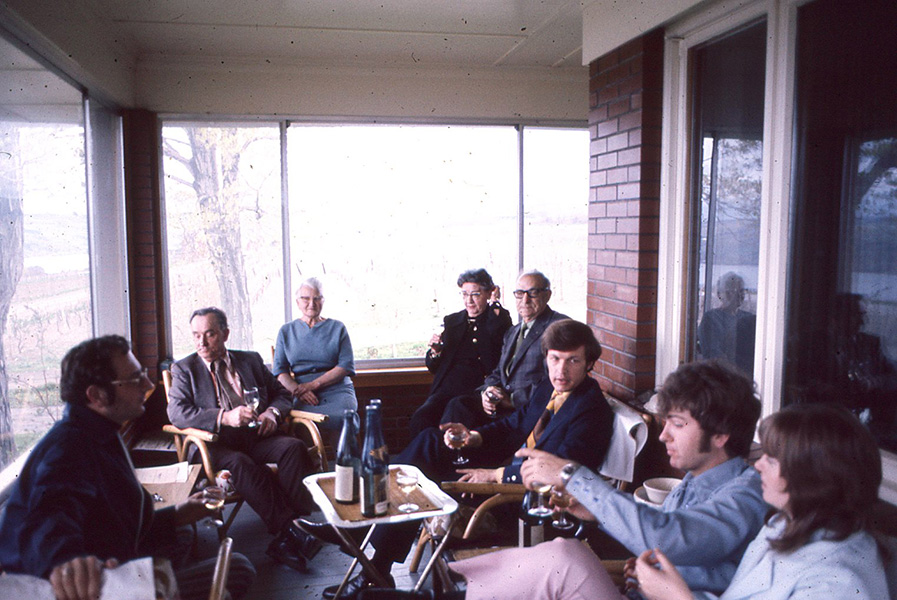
column 200, row 434
column 308, row 416
column 309, row 420
column 222, row 570
column 467, row 487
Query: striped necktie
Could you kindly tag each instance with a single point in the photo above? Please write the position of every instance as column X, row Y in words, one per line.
column 554, row 404
column 228, row 397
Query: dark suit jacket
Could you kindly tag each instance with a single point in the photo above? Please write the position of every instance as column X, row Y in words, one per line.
column 529, row 368
column 489, row 343
column 192, row 401
column 580, row 431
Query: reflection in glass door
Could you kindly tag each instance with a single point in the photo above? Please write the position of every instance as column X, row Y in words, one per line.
column 727, row 82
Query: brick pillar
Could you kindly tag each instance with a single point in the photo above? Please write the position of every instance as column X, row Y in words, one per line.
column 141, row 158
column 625, row 90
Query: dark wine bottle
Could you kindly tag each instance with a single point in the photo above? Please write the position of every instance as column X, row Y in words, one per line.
column 531, row 528
column 348, row 461
column 374, row 465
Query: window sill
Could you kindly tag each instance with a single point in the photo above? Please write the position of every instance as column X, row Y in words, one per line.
column 393, row 376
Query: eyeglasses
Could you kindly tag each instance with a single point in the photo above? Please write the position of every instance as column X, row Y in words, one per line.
column 473, row 295
column 532, row 292
column 310, row 299
column 133, row 380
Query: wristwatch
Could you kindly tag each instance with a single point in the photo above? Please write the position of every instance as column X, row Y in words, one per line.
column 276, row 412
column 567, row 472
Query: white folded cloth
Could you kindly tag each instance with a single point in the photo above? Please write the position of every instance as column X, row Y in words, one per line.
column 630, row 435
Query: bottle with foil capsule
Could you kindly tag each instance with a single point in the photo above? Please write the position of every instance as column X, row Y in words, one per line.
column 374, row 465
column 348, row 461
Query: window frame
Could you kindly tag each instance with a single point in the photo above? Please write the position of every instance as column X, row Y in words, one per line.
column 776, row 196
column 186, row 120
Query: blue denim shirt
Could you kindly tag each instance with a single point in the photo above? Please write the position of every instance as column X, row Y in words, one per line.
column 704, row 529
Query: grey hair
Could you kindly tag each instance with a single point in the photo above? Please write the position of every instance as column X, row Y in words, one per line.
column 543, row 281
column 312, row 282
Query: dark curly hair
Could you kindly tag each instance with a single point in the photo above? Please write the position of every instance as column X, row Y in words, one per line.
column 90, row 363
column 478, row 276
column 832, row 469
column 720, row 398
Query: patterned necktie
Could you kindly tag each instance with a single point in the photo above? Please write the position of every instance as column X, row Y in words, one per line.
column 517, row 344
column 228, row 397
column 542, row 423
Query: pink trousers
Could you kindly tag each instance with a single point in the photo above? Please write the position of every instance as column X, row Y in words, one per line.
column 561, row 569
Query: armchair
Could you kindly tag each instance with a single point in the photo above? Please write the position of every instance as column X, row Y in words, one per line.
column 299, row 422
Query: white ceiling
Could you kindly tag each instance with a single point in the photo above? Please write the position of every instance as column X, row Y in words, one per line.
column 484, row 33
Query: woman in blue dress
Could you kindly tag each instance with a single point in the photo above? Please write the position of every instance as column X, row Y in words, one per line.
column 313, row 359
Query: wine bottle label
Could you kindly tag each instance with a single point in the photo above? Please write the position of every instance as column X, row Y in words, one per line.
column 345, row 481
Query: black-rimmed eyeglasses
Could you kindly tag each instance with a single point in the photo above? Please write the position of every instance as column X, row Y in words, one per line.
column 532, row 292
column 133, row 380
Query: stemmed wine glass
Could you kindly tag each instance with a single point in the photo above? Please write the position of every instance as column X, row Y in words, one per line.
column 538, row 506
column 457, row 438
column 251, row 398
column 561, row 499
column 407, row 481
column 213, row 497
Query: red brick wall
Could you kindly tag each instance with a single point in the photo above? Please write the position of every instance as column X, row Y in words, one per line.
column 141, row 157
column 624, row 120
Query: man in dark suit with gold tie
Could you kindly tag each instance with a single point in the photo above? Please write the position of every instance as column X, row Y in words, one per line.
column 207, row 393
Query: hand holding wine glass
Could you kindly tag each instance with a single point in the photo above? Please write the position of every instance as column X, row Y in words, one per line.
column 251, row 398
column 561, row 500
column 213, row 497
column 455, row 438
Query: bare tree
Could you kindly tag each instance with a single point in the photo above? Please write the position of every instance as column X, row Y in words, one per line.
column 11, row 265
column 214, row 163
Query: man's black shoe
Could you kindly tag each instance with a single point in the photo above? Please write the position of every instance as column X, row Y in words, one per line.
column 281, row 549
column 353, row 588
column 325, row 533
column 304, row 543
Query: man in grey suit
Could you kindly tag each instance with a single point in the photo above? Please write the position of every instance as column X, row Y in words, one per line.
column 521, row 365
column 206, row 393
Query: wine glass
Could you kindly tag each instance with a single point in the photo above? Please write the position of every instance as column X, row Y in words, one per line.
column 538, row 505
column 213, row 497
column 407, row 481
column 493, row 399
column 457, row 439
column 251, row 398
column 561, row 499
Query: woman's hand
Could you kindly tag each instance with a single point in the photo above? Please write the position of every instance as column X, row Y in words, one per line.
column 304, row 393
column 658, row 579
column 436, row 343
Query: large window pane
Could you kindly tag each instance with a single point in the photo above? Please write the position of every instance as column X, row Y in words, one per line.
column 727, row 77
column 842, row 313
column 388, row 216
column 45, row 271
column 223, row 217
column 556, row 202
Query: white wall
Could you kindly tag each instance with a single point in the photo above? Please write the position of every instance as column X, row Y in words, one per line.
column 607, row 24
column 409, row 93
